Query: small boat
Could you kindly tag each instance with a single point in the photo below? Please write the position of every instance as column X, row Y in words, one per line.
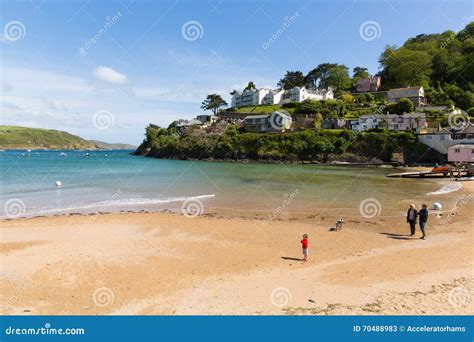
column 87, row 155
column 62, row 154
column 442, row 168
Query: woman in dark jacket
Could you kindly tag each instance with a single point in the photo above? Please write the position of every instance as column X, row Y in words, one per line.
column 411, row 218
column 423, row 214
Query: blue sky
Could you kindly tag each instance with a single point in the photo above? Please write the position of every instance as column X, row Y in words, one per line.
column 145, row 67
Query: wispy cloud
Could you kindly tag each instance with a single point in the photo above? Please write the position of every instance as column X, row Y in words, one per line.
column 109, row 75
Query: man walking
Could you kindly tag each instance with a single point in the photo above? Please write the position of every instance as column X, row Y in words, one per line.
column 411, row 218
column 423, row 214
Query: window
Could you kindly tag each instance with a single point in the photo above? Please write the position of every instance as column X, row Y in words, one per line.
column 457, row 150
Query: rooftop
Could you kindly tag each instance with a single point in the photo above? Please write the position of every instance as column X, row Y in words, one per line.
column 462, row 146
column 406, row 88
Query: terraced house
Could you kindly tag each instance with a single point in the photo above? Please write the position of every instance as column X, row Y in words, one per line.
column 254, row 97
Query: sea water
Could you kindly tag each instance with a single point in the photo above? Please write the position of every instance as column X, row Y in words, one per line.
column 109, row 181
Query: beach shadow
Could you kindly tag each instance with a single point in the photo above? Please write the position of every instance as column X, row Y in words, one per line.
column 398, row 236
column 290, row 258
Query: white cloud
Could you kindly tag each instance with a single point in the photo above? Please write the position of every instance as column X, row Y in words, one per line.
column 109, row 75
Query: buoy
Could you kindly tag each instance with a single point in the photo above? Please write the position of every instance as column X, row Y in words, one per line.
column 436, row 206
column 58, row 184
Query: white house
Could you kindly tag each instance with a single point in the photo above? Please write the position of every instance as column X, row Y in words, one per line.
column 254, row 97
column 273, row 97
column 299, row 94
column 206, row 118
column 275, row 122
column 248, row 97
column 367, row 122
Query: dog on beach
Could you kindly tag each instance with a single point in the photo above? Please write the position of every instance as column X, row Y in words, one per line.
column 338, row 225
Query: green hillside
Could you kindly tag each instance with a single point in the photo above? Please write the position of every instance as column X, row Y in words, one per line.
column 13, row 137
column 113, row 146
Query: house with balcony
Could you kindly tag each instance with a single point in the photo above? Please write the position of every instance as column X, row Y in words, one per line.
column 274, row 122
column 415, row 94
column 299, row 94
column 248, row 97
column 273, row 97
column 254, row 97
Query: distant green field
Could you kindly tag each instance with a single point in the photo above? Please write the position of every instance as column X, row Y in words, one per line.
column 13, row 137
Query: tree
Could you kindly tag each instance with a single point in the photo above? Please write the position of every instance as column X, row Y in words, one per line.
column 329, row 75
column 404, row 105
column 316, row 77
column 338, row 78
column 347, row 98
column 250, row 86
column 292, row 79
column 405, row 67
column 359, row 72
column 213, row 102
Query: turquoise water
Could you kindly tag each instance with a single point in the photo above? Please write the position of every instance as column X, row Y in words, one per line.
column 115, row 180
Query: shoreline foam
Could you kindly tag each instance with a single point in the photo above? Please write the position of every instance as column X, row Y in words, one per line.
column 447, row 188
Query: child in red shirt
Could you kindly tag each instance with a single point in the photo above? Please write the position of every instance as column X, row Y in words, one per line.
column 304, row 244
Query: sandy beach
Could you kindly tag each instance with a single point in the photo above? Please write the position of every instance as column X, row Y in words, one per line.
column 238, row 263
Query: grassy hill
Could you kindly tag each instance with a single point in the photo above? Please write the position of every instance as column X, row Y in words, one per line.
column 261, row 109
column 13, row 137
column 113, row 146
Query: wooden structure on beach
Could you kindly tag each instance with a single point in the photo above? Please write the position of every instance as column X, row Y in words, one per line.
column 432, row 174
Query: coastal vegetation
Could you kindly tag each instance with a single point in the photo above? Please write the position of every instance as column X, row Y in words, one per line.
column 15, row 137
column 311, row 145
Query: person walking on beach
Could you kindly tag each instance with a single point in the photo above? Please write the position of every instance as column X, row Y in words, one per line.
column 411, row 218
column 304, row 244
column 423, row 214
